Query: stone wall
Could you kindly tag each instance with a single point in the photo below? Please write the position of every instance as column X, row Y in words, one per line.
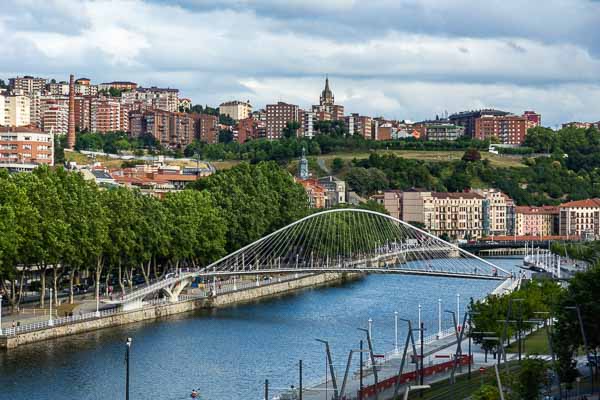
column 164, row 310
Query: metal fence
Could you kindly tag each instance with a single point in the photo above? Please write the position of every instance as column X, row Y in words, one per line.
column 216, row 288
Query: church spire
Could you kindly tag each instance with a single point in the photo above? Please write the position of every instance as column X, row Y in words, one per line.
column 327, row 94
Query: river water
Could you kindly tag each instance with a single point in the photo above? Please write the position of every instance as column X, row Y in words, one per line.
column 228, row 353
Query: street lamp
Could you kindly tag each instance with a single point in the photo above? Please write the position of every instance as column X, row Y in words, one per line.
column 458, row 305
column 329, row 362
column 1, row 316
column 439, row 318
column 585, row 342
column 127, row 349
column 395, row 329
column 50, row 322
column 370, row 322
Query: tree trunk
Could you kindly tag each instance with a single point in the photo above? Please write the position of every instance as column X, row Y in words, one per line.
column 43, row 285
column 71, row 278
column 121, row 278
column 21, row 288
column 55, row 277
column 98, row 272
column 129, row 273
column 145, row 273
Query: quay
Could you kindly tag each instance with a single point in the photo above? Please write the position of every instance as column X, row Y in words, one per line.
column 228, row 293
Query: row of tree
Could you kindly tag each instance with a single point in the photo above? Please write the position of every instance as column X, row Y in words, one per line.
column 547, row 299
column 55, row 224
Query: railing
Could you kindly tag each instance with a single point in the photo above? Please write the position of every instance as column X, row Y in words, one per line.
column 34, row 326
column 222, row 287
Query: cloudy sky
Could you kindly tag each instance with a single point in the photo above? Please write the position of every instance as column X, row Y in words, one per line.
column 404, row 59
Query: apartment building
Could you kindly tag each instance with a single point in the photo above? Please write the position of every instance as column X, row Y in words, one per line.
column 580, row 218
column 508, row 129
column 536, row 221
column 83, row 111
column 467, row 119
column 359, row 125
column 392, row 201
column 25, row 145
column 246, row 129
column 175, row 130
column 315, row 192
column 455, row 215
column 17, row 110
column 119, row 85
column 105, row 115
column 278, row 116
column 307, row 123
column 236, row 109
column 26, row 85
column 54, row 115
column 498, row 212
column 335, row 190
column 208, row 128
column 442, row 131
column 165, row 99
column 2, row 110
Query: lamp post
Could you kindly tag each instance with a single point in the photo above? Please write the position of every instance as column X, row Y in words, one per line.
column 1, row 315
column 50, row 322
column 98, row 303
column 458, row 308
column 439, row 318
column 585, row 342
column 329, row 363
column 419, row 314
column 395, row 329
column 127, row 349
column 370, row 322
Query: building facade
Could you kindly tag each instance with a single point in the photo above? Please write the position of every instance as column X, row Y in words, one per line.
column 536, row 221
column 467, row 119
column 335, row 191
column 105, row 115
column 165, row 99
column 25, row 145
column 27, row 85
column 236, row 109
column 455, row 215
column 208, row 128
column 580, row 218
column 17, row 110
column 278, row 116
column 498, row 214
column 508, row 129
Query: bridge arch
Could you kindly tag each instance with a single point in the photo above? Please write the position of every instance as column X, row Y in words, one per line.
column 340, row 240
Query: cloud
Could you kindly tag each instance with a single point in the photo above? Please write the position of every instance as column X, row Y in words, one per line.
column 402, row 58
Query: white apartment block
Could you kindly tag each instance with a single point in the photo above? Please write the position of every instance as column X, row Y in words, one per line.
column 498, row 212
column 153, row 97
column 236, row 109
column 17, row 110
column 457, row 215
column 27, row 85
column 2, row 110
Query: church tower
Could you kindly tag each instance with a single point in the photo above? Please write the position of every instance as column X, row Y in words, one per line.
column 303, row 167
column 326, row 98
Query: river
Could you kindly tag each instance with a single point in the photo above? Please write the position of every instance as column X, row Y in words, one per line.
column 228, row 353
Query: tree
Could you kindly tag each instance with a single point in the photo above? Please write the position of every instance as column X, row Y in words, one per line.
column 486, row 392
column 471, row 155
column 336, row 165
column 530, row 379
column 291, row 129
column 225, row 136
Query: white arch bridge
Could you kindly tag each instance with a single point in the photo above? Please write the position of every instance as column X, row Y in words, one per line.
column 338, row 240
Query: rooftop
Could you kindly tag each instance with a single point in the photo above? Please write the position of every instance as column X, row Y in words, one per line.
column 582, row 203
column 536, row 210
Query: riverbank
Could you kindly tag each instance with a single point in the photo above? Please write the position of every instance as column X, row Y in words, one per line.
column 160, row 310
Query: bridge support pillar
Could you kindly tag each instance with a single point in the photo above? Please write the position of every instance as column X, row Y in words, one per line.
column 132, row 305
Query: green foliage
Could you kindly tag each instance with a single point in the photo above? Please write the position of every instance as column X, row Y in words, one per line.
column 530, row 379
column 471, row 155
column 582, row 291
column 255, row 200
column 486, row 392
column 112, row 142
column 291, row 130
column 225, row 136
column 366, row 181
column 538, row 296
column 336, row 165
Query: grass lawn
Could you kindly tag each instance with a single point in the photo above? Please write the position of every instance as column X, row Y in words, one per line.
column 464, row 387
column 536, row 343
column 450, row 155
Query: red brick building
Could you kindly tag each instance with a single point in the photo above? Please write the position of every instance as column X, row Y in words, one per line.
column 278, row 116
column 508, row 129
column 26, row 144
column 208, row 129
column 105, row 115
